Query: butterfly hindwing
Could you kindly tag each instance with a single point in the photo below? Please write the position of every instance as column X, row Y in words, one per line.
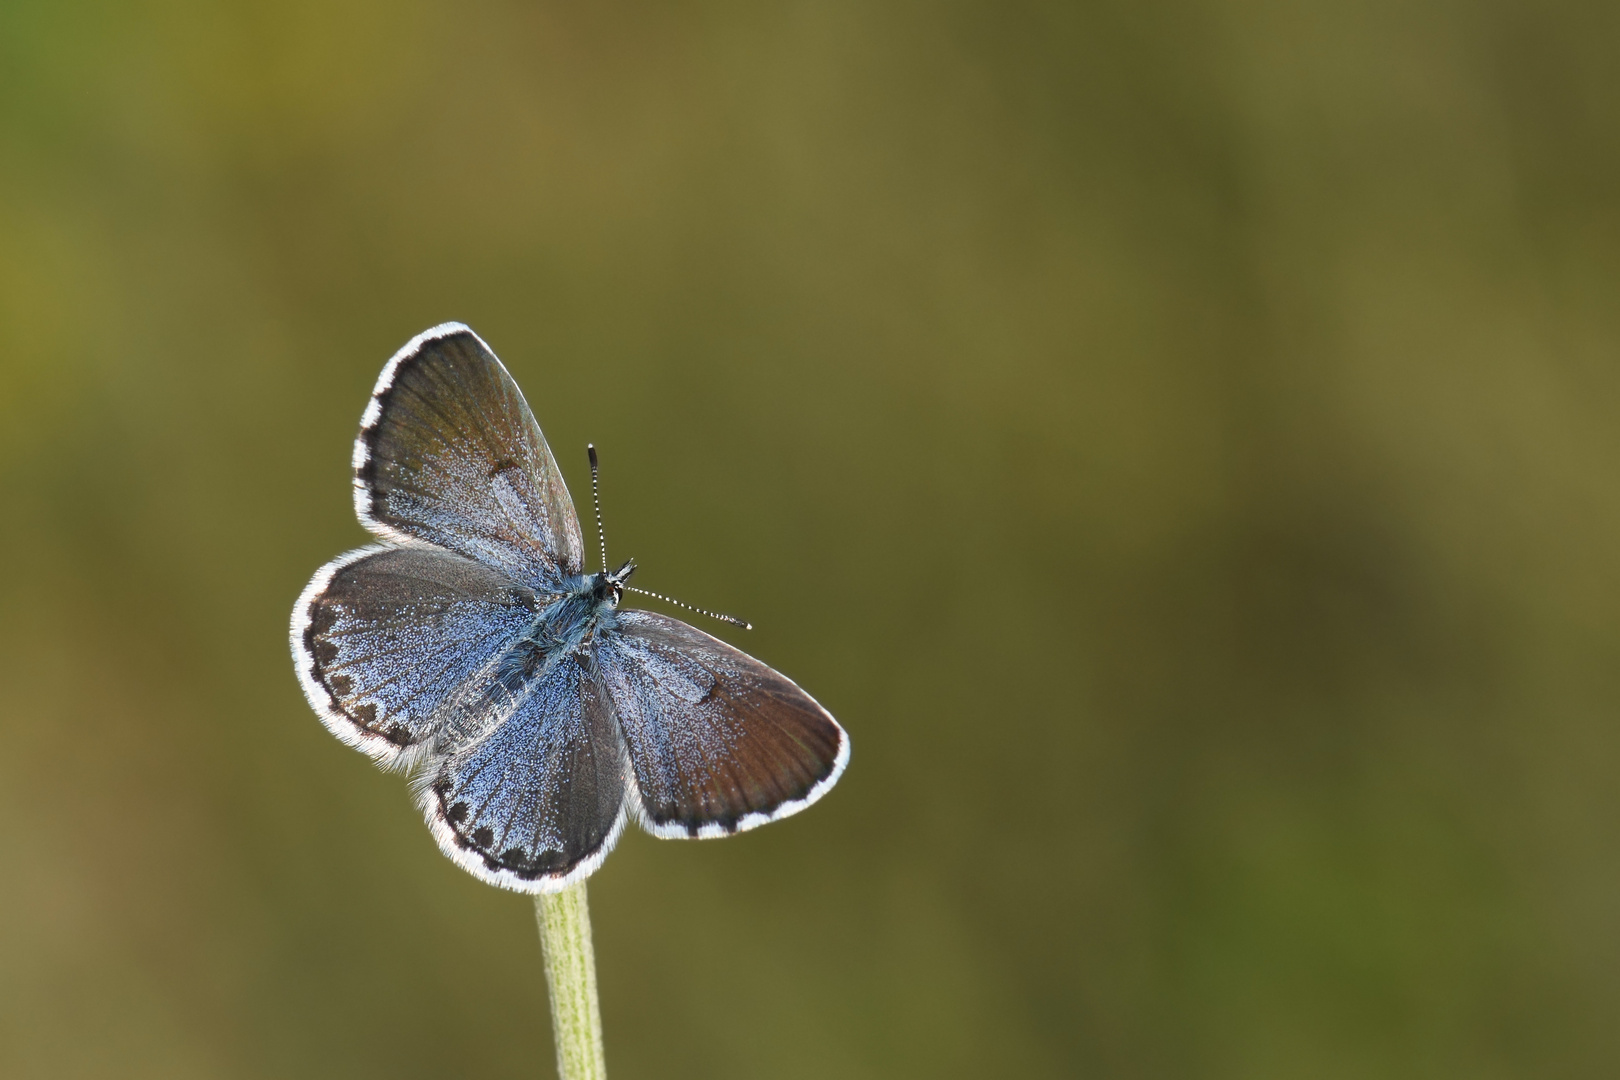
column 718, row 742
column 538, row 801
column 449, row 453
column 387, row 640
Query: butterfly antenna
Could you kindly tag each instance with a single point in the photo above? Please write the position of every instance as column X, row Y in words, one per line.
column 732, row 619
column 596, row 501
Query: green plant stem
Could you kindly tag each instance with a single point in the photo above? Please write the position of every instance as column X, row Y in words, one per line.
column 576, row 1019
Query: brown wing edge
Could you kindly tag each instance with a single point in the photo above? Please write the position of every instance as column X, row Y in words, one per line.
column 680, row 830
column 370, row 419
column 350, row 730
column 570, row 560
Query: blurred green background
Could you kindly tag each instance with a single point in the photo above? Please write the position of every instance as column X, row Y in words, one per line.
column 1179, row 440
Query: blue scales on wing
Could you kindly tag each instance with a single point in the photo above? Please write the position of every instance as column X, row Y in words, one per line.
column 449, row 452
column 540, row 797
column 718, row 741
column 391, row 642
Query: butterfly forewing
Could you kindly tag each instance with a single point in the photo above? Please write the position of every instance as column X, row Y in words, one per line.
column 540, row 799
column 718, row 742
column 450, row 453
column 388, row 640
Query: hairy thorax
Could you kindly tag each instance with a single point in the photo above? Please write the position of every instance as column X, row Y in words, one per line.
column 568, row 623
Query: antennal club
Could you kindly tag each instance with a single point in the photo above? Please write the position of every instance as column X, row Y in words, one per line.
column 596, row 502
column 732, row 619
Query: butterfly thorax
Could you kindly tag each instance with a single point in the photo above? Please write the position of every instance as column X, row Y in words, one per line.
column 584, row 608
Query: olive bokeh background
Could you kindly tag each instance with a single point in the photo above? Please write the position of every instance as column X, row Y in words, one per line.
column 1180, row 440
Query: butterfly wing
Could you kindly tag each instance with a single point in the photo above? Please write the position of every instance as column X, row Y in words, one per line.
column 450, row 453
column 718, row 742
column 387, row 640
column 537, row 802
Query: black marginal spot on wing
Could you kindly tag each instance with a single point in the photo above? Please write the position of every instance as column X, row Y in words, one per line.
column 481, row 842
column 322, row 654
column 543, row 791
column 398, row 633
column 367, row 472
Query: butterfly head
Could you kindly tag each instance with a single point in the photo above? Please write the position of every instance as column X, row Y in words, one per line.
column 609, row 588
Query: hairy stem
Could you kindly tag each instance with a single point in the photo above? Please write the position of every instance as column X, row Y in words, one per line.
column 576, row 1019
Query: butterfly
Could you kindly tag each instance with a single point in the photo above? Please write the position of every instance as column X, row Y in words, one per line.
column 470, row 648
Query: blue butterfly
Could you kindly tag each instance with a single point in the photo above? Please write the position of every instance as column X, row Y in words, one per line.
column 470, row 648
